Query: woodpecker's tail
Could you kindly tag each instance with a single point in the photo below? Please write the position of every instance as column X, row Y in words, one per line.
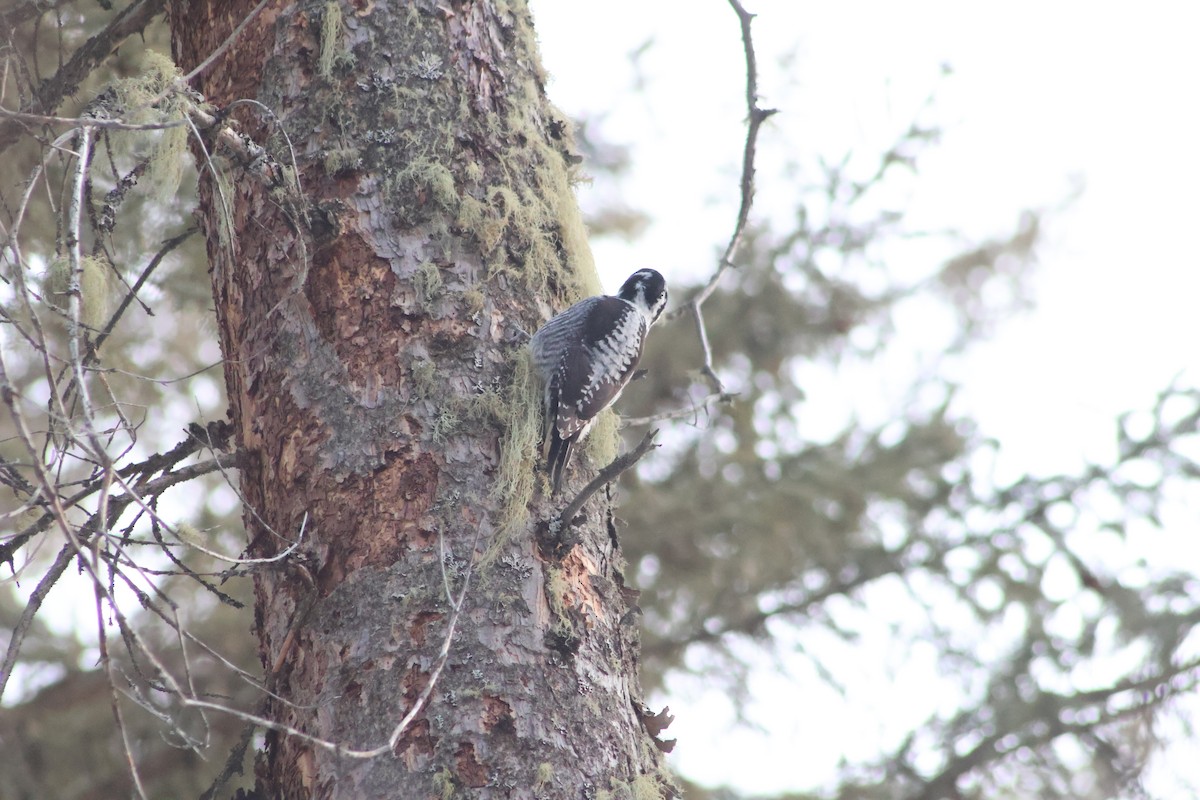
column 560, row 454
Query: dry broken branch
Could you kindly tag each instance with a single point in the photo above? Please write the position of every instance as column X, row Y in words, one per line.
column 605, row 476
column 755, row 117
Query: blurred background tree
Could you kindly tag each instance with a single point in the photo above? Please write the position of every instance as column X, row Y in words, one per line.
column 1054, row 643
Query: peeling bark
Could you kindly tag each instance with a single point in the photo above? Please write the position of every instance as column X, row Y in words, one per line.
column 365, row 324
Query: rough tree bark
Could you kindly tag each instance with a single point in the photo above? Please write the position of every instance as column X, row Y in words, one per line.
column 366, row 304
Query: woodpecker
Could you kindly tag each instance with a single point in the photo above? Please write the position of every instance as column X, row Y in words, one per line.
column 586, row 355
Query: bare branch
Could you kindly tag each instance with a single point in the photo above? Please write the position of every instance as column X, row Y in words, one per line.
column 755, row 117
column 75, row 334
column 31, row 609
column 131, row 295
column 704, row 405
column 215, row 436
column 115, row 700
column 606, row 476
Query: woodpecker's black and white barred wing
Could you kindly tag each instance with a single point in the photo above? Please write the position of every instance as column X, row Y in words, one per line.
column 586, row 356
column 596, row 369
column 552, row 340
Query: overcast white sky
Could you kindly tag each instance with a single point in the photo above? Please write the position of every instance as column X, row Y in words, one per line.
column 1042, row 96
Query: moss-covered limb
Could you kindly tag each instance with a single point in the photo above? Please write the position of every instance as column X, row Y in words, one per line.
column 156, row 82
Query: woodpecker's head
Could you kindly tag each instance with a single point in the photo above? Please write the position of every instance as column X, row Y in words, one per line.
column 647, row 290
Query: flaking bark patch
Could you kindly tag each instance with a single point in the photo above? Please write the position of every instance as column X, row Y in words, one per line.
column 497, row 715
column 576, row 590
column 469, row 770
column 419, row 624
column 415, row 745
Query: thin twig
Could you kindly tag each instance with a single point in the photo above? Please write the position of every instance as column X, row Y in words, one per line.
column 168, row 246
column 106, row 219
column 114, row 698
column 443, row 656
column 694, row 410
column 19, row 631
column 755, row 117
column 246, row 504
column 251, row 561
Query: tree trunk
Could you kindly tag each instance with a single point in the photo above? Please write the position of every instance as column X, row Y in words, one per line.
column 367, row 302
